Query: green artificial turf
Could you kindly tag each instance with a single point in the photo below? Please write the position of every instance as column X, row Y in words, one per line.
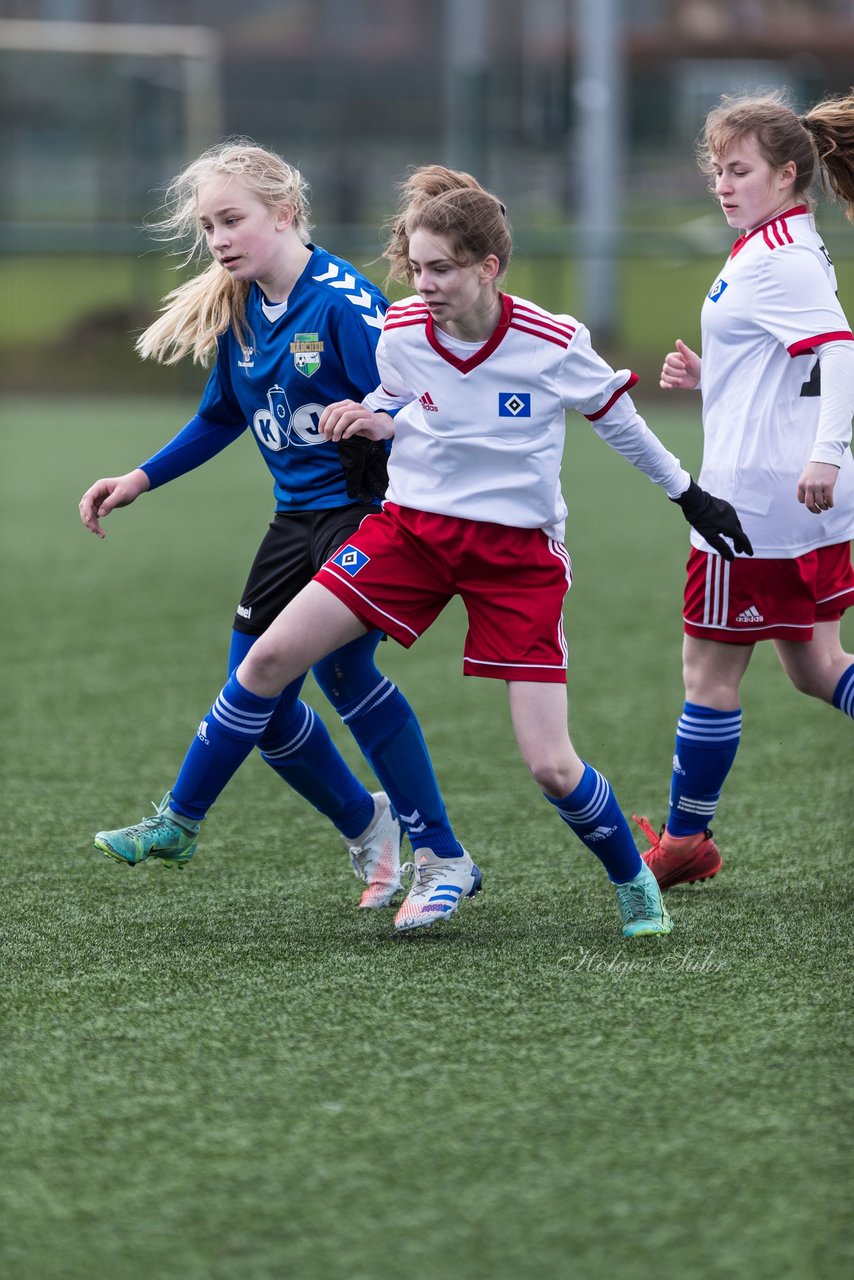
column 231, row 1072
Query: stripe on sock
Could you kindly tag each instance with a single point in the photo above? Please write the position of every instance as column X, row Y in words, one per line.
column 594, row 807
column 248, row 724
column 843, row 694
column 698, row 729
column 371, row 701
column 292, row 747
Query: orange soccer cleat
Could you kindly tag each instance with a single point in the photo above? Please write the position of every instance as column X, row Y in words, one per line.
column 679, row 859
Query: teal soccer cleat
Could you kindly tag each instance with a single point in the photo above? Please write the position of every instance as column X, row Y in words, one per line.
column 641, row 906
column 168, row 836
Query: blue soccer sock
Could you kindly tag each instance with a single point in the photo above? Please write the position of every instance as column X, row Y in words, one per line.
column 224, row 739
column 389, row 736
column 706, row 743
column 843, row 694
column 298, row 748
column 591, row 810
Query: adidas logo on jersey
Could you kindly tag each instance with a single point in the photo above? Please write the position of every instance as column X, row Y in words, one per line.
column 750, row 614
column 427, row 403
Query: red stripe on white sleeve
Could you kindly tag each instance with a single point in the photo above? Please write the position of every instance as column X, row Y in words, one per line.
column 541, row 319
column 806, row 345
column 558, row 339
column 402, row 322
column 630, row 382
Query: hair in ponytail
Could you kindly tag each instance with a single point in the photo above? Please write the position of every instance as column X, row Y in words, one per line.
column 449, row 203
column 821, row 143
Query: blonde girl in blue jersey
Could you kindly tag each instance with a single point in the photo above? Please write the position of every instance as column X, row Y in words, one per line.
column 290, row 328
column 460, row 460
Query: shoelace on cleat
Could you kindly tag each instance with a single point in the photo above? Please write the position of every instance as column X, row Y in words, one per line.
column 638, row 900
column 646, row 828
column 145, row 824
column 424, row 877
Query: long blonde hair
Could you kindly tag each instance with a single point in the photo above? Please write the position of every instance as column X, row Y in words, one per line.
column 450, row 203
column 821, row 143
column 195, row 314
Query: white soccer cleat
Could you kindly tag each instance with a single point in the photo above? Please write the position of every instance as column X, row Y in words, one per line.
column 438, row 887
column 376, row 860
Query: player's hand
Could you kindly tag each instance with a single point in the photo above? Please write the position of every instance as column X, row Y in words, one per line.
column 816, row 485
column 348, row 418
column 108, row 493
column 714, row 519
column 681, row 369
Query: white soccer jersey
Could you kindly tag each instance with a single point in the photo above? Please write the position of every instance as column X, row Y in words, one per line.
column 772, row 306
column 480, row 428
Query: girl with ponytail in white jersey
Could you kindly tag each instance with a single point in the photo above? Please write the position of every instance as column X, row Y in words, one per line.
column 777, row 382
column 474, row 388
column 291, row 328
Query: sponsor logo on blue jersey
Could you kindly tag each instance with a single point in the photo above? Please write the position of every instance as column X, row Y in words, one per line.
column 514, row 404
column 717, row 289
column 277, row 427
column 350, row 559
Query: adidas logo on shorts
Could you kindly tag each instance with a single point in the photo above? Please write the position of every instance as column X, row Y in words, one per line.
column 750, row 614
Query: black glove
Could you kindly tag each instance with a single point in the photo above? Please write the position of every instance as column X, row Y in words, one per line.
column 714, row 519
column 364, row 463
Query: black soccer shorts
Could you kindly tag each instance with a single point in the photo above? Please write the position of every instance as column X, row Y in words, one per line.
column 293, row 549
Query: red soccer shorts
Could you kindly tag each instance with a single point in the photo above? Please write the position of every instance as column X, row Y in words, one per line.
column 401, row 567
column 747, row 600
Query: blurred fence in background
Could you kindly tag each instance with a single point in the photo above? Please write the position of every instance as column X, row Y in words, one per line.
column 102, row 101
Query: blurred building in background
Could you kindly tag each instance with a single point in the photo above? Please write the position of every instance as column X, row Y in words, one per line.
column 102, row 101
column 354, row 91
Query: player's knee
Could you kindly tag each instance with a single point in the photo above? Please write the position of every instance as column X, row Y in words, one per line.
column 262, row 671
column 553, row 776
column 815, row 684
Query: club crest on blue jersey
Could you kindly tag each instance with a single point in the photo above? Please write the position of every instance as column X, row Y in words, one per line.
column 306, row 349
column 514, row 404
column 350, row 559
column 716, row 290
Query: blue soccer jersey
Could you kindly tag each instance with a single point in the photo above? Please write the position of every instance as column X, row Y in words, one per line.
column 317, row 347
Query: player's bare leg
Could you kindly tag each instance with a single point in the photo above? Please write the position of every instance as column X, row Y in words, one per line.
column 585, row 802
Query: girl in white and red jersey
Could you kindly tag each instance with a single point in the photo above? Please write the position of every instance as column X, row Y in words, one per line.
column 475, row 385
column 777, row 380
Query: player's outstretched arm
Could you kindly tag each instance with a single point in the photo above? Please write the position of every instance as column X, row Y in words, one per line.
column 346, row 418
column 714, row 519
column 681, row 369
column 106, row 494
